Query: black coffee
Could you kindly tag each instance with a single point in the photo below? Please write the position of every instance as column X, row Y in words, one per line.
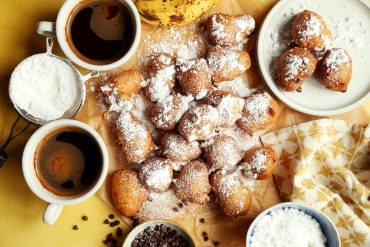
column 100, row 32
column 68, row 161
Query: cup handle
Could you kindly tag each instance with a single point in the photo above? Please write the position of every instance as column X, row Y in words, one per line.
column 51, row 213
column 46, row 28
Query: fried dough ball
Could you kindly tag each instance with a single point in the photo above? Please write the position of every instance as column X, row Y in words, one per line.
column 128, row 193
column 336, row 69
column 199, row 123
column 128, row 83
column 194, row 77
column 259, row 111
column 311, row 32
column 260, row 162
column 156, row 173
column 162, row 74
column 295, row 66
column 226, row 64
column 224, row 29
column 192, row 185
column 232, row 195
column 229, row 107
column 133, row 136
column 222, row 152
column 176, row 148
column 166, row 113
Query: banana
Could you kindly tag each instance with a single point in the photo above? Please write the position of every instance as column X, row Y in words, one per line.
column 169, row 13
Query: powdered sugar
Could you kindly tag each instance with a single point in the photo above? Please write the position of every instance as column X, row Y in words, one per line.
column 336, row 58
column 157, row 174
column 295, row 64
column 224, row 59
column 288, row 227
column 238, row 87
column 159, row 85
column 45, row 87
column 312, row 28
column 257, row 164
column 257, row 106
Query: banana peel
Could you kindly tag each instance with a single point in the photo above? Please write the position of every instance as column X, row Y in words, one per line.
column 172, row 13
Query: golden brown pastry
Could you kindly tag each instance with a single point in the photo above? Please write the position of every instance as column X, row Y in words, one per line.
column 192, row 185
column 260, row 162
column 222, row 152
column 176, row 148
column 259, row 111
column 166, row 113
column 199, row 123
column 226, row 64
column 224, row 29
column 295, row 66
column 232, row 195
column 128, row 193
column 162, row 74
column 310, row 31
column 135, row 139
column 156, row 174
column 194, row 77
column 336, row 69
column 229, row 107
column 128, row 83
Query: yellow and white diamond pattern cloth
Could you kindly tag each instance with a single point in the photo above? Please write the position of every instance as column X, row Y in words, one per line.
column 326, row 164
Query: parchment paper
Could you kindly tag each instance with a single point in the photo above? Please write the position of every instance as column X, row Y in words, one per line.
column 228, row 231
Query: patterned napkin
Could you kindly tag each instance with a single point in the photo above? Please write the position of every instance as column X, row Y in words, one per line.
column 326, row 164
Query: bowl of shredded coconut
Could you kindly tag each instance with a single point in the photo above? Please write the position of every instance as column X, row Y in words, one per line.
column 45, row 87
column 292, row 224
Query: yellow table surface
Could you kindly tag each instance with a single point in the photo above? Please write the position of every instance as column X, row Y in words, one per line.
column 20, row 210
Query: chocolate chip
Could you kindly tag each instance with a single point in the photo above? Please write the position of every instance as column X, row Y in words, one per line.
column 85, row 218
column 216, row 243
column 106, row 221
column 75, row 227
column 206, row 238
column 175, row 209
column 111, row 216
column 159, row 235
column 119, row 232
column 180, row 205
column 202, row 220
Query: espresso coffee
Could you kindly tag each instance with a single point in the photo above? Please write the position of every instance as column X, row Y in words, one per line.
column 68, row 161
column 100, row 32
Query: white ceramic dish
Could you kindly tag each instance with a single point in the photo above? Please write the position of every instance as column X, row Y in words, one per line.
column 350, row 31
column 131, row 236
column 326, row 225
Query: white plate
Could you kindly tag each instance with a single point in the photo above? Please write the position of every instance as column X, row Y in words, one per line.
column 349, row 22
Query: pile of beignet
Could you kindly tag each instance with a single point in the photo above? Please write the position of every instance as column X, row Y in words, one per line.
column 194, row 157
column 312, row 36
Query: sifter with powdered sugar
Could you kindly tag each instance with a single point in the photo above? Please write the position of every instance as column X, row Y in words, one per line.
column 44, row 87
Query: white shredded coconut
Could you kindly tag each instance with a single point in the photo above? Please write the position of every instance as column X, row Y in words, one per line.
column 287, row 227
column 45, row 87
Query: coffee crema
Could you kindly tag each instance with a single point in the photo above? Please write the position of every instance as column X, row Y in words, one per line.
column 100, row 32
column 68, row 161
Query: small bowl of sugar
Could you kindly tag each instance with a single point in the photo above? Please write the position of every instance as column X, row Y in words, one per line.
column 292, row 224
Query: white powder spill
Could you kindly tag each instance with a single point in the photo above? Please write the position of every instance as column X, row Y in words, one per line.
column 287, row 227
column 45, row 87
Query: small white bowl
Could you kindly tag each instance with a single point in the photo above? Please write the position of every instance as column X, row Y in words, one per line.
column 326, row 225
column 131, row 236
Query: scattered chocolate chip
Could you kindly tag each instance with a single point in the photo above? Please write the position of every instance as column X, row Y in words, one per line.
column 202, row 220
column 216, row 243
column 75, row 227
column 119, row 232
column 85, row 218
column 106, row 221
column 135, row 222
column 175, row 209
column 206, row 238
column 111, row 216
column 150, row 199
column 180, row 205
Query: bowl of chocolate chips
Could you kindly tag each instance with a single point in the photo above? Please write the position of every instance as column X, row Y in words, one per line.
column 158, row 233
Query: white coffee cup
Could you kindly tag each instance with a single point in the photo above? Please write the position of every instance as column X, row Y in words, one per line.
column 58, row 29
column 56, row 202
